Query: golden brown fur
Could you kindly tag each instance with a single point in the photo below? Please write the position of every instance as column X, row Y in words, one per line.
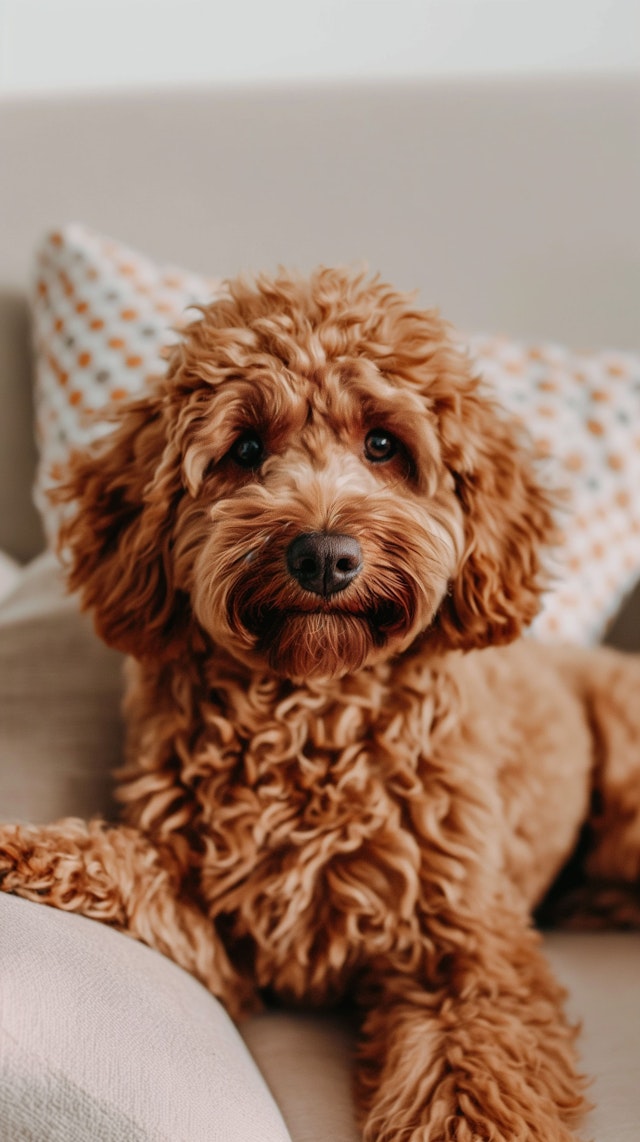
column 325, row 794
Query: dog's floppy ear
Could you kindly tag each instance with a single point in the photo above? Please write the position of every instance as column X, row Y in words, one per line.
column 509, row 524
column 116, row 536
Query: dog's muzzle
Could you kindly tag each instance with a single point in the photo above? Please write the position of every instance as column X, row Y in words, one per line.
column 324, row 562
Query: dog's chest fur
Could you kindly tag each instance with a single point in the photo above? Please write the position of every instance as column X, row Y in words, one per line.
column 328, row 821
column 308, row 808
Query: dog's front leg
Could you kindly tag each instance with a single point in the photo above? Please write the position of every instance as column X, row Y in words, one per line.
column 483, row 1055
column 116, row 874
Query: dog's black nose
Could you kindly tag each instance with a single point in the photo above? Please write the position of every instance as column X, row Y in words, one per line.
column 323, row 562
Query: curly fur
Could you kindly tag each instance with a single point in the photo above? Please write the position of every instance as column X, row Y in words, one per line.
column 324, row 794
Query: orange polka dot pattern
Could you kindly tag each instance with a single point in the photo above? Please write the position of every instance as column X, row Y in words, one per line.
column 103, row 314
column 583, row 411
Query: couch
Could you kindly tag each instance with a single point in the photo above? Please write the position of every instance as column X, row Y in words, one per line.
column 513, row 205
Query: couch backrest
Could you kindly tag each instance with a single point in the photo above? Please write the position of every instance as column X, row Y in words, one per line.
column 511, row 204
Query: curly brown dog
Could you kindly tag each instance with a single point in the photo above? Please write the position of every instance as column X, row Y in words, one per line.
column 315, row 537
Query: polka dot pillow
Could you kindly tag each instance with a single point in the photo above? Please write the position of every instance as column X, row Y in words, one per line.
column 583, row 410
column 103, row 315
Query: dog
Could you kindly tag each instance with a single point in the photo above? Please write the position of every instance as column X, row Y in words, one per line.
column 318, row 539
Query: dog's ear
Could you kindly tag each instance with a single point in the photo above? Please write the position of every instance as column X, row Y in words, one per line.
column 509, row 524
column 116, row 536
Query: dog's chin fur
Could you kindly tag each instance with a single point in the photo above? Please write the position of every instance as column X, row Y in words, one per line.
column 319, row 645
column 329, row 643
column 302, row 644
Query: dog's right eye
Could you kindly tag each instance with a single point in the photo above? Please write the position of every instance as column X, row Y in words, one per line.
column 248, row 450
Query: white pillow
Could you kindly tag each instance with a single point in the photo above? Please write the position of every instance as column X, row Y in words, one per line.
column 103, row 1039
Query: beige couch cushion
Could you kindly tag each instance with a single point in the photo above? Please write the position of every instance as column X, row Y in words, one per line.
column 60, row 691
column 601, row 971
column 307, row 1060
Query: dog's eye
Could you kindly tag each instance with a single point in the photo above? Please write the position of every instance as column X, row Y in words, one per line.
column 380, row 445
column 248, row 450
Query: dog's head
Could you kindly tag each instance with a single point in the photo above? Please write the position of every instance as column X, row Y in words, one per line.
column 316, row 483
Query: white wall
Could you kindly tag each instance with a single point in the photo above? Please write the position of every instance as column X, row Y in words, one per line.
column 89, row 44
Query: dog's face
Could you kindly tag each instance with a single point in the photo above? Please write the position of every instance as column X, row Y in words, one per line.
column 316, row 484
column 323, row 527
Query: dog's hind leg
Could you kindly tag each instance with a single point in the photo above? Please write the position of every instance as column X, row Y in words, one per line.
column 608, row 892
column 117, row 875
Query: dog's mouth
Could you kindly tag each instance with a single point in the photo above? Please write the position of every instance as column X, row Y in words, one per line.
column 381, row 618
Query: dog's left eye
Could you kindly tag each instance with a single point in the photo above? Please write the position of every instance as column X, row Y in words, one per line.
column 248, row 450
column 380, row 445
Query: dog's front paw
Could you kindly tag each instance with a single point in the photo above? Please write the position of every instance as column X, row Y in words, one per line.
column 36, row 862
column 489, row 1065
column 15, row 855
column 466, row 1101
column 450, row 1116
